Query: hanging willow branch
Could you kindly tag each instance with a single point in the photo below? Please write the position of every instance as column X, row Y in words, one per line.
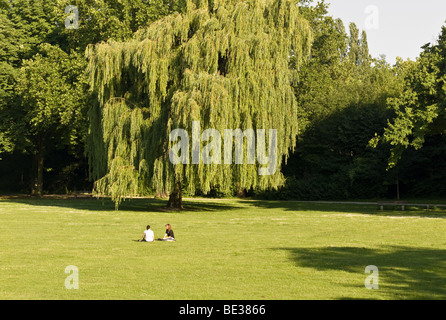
column 223, row 63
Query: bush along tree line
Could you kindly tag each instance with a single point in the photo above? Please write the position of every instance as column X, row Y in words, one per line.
column 93, row 107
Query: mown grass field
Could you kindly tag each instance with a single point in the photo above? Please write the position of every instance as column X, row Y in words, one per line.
column 226, row 249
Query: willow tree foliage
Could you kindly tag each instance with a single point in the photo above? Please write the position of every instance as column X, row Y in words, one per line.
column 227, row 64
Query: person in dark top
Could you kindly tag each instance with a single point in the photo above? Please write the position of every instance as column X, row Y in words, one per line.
column 169, row 235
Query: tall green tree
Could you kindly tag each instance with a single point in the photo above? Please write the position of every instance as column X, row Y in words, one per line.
column 31, row 34
column 421, row 108
column 343, row 93
column 354, row 44
column 223, row 63
column 102, row 20
column 34, row 83
column 51, row 90
column 37, row 22
column 333, row 77
column 10, row 40
column 364, row 55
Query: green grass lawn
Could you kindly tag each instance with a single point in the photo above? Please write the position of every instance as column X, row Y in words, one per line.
column 226, row 249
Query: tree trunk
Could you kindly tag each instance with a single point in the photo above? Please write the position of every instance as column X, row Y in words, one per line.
column 37, row 174
column 176, row 198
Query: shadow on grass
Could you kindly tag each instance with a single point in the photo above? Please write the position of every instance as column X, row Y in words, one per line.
column 215, row 205
column 137, row 205
column 404, row 272
column 348, row 208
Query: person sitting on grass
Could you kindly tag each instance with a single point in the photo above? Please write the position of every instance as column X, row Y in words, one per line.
column 168, row 236
column 148, row 236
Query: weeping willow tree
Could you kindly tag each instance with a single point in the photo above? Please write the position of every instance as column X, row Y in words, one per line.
column 227, row 64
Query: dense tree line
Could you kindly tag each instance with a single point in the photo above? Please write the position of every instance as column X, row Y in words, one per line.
column 44, row 93
column 365, row 124
column 363, row 127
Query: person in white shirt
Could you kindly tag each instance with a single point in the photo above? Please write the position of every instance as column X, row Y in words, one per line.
column 148, row 236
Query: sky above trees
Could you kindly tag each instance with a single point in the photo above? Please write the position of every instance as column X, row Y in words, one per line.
column 404, row 25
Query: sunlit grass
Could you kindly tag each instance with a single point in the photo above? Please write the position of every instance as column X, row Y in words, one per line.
column 227, row 249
